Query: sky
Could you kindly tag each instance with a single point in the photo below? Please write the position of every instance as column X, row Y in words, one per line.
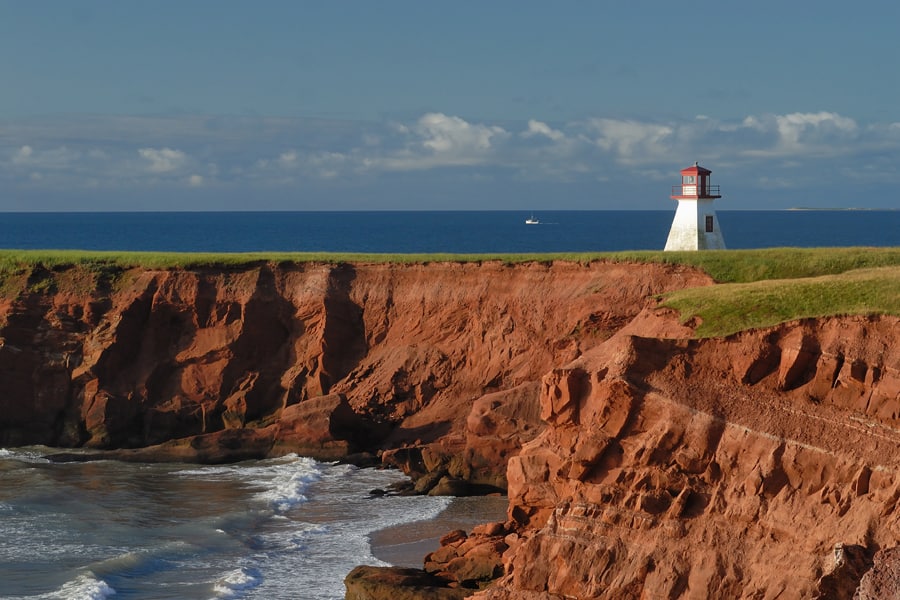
column 122, row 105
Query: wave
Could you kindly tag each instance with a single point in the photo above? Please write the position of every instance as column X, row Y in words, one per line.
column 29, row 454
column 84, row 587
column 236, row 583
column 288, row 483
column 283, row 482
column 136, row 564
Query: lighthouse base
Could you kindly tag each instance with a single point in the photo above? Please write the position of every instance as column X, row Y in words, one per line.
column 695, row 227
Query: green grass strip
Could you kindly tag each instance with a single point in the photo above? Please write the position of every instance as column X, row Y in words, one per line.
column 15, row 259
column 725, row 266
column 741, row 266
column 725, row 309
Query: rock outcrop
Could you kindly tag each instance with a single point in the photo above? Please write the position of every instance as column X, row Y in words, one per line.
column 639, row 462
column 378, row 583
column 760, row 466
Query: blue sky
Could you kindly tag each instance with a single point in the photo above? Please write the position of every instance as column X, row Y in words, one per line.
column 295, row 105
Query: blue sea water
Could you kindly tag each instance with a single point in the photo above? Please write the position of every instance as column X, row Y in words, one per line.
column 450, row 232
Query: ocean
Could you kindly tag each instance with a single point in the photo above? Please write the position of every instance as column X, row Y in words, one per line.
column 463, row 232
column 286, row 528
column 289, row 528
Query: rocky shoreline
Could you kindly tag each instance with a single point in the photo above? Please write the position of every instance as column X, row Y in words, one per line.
column 638, row 461
column 407, row 545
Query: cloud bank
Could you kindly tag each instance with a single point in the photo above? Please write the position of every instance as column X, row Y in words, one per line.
column 811, row 152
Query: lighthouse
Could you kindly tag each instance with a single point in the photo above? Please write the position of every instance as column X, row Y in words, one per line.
column 695, row 226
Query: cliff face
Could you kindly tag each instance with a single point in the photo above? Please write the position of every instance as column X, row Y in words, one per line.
column 641, row 462
column 760, row 466
column 442, row 361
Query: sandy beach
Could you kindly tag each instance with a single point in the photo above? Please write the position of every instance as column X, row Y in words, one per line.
column 407, row 545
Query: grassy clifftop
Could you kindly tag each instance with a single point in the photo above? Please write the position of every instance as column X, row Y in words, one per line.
column 731, row 307
column 756, row 288
column 761, row 288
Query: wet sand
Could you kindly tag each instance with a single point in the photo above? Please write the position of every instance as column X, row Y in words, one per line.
column 406, row 545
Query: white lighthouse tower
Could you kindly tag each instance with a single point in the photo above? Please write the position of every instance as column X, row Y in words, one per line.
column 695, row 226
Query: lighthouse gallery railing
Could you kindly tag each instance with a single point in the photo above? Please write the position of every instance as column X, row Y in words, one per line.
column 711, row 190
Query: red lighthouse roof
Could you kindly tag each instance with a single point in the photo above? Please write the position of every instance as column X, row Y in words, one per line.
column 696, row 169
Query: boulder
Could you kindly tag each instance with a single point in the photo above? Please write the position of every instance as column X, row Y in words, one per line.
column 396, row 583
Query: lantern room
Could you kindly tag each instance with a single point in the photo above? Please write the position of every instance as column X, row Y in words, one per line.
column 695, row 185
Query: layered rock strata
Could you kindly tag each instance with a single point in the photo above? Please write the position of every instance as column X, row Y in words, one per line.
column 765, row 465
column 438, row 365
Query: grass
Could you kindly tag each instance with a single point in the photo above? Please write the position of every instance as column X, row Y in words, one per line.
column 744, row 266
column 756, row 288
column 725, row 266
column 725, row 309
column 12, row 260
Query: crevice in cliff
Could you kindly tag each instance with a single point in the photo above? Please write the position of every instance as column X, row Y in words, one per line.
column 836, row 372
column 344, row 342
column 260, row 351
column 799, row 362
column 120, row 340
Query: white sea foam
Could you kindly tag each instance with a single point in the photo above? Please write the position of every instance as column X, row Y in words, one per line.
column 283, row 481
column 237, row 583
column 286, row 483
column 84, row 587
column 321, row 543
column 33, row 454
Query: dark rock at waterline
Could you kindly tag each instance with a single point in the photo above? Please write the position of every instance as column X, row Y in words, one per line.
column 396, row 583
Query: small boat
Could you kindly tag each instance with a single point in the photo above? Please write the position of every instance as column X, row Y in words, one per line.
column 532, row 221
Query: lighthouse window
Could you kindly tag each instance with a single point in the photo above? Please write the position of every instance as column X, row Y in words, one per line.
column 709, row 224
column 688, row 179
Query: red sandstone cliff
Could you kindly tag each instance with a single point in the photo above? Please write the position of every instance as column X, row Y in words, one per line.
column 439, row 364
column 765, row 465
column 641, row 463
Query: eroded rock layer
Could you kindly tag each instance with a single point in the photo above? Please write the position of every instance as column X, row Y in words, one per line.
column 764, row 465
column 440, row 362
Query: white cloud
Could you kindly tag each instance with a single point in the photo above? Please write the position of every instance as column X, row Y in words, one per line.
column 767, row 150
column 328, row 165
column 163, row 160
column 803, row 134
column 453, row 136
column 22, row 155
column 60, row 158
column 288, row 159
column 631, row 141
column 537, row 128
column 797, row 128
column 436, row 140
column 291, row 165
